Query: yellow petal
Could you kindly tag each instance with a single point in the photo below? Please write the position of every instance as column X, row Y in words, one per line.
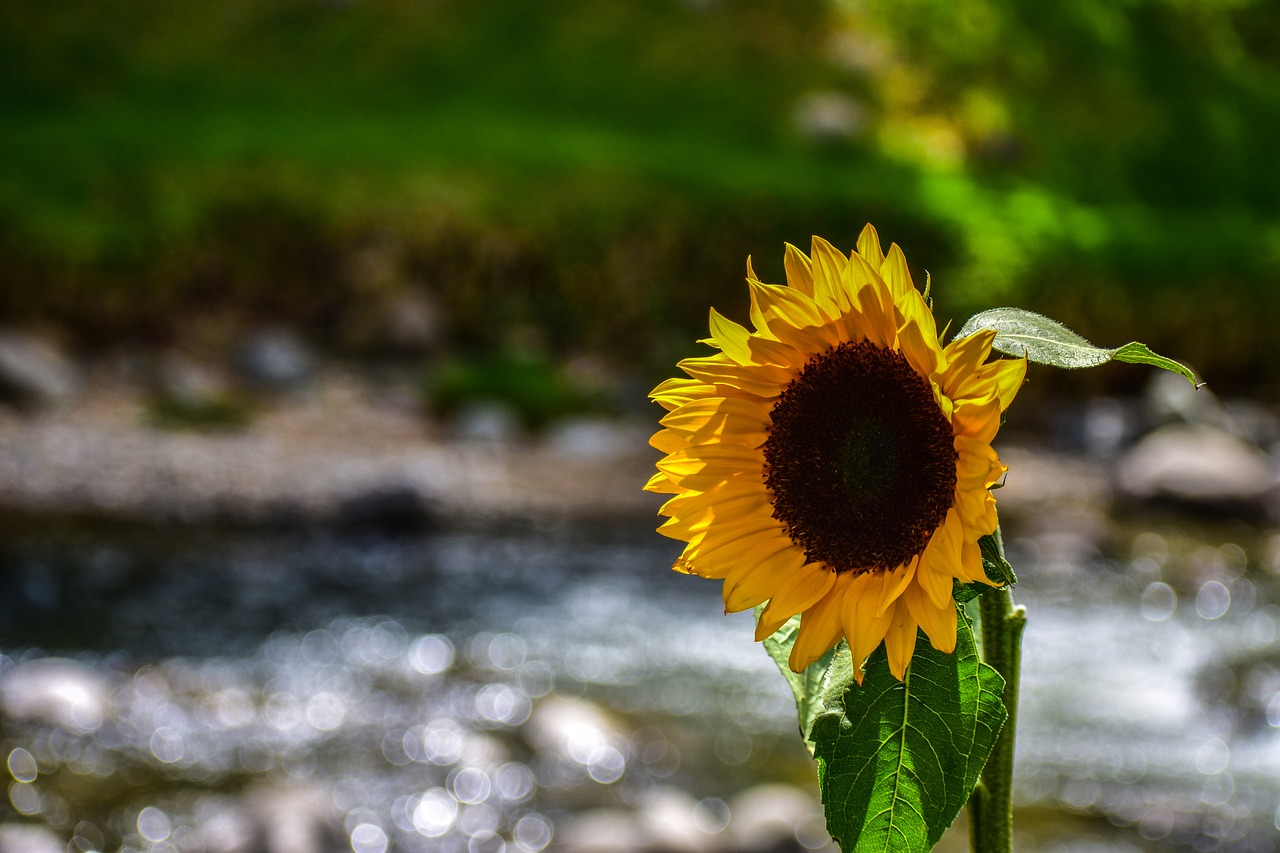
column 895, row 274
column 865, row 617
column 675, row 392
column 692, row 520
column 897, row 581
column 938, row 622
column 913, row 307
column 783, row 305
column 828, row 272
column 963, row 357
column 879, row 320
column 798, row 592
column 719, row 419
column 977, row 420
column 731, row 489
column 869, row 246
column 859, row 274
column 706, row 465
column 1009, row 374
column 923, row 357
column 759, row 380
column 663, row 484
column 941, row 559
column 819, row 628
column 668, row 441
column 799, row 270
column 756, row 578
column 977, row 511
column 712, row 533
column 719, row 559
column 900, row 641
column 977, row 465
column 971, row 565
column 730, row 337
column 999, row 380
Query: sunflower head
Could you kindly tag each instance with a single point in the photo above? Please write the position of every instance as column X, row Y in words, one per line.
column 835, row 460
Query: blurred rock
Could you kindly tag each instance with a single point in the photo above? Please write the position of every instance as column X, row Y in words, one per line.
column 1108, row 424
column 56, row 692
column 29, row 838
column 572, row 727
column 593, row 438
column 189, row 396
column 33, row 372
column 1197, row 464
column 180, row 379
column 225, row 827
column 1170, row 397
column 387, row 508
column 297, row 820
column 413, row 323
column 1255, row 422
column 601, row 831
column 766, row 817
column 276, row 359
column 487, row 421
column 669, row 819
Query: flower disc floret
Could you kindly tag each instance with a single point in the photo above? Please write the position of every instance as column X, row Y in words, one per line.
column 860, row 459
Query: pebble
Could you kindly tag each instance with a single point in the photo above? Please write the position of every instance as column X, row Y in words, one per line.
column 277, row 359
column 601, row 831
column 766, row 817
column 670, row 819
column 1197, row 464
column 29, row 838
column 33, row 372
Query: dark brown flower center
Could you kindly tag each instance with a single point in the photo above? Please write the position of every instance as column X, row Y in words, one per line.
column 860, row 459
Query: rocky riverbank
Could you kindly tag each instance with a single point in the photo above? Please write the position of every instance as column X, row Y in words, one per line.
column 325, row 445
column 342, row 451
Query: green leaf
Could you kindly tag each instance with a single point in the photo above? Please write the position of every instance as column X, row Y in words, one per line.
column 897, row 760
column 994, row 563
column 806, row 685
column 1025, row 333
column 963, row 593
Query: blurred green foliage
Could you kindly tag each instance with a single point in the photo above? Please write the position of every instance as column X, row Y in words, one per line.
column 538, row 391
column 598, row 171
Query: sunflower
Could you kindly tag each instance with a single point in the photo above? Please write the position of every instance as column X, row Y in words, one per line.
column 836, row 462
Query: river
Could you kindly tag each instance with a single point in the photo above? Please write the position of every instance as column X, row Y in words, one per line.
column 528, row 688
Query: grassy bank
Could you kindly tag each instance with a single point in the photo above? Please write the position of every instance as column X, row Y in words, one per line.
column 589, row 174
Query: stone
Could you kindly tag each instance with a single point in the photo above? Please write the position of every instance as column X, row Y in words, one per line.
column 275, row 359
column 1170, row 397
column 29, row 838
column 487, row 421
column 33, row 372
column 601, row 831
column 669, row 818
column 593, row 438
column 766, row 817
column 395, row 509
column 413, row 323
column 1197, row 464
column 575, row 728
column 296, row 819
column 186, row 382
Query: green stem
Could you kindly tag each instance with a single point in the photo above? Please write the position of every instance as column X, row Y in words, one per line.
column 991, row 806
